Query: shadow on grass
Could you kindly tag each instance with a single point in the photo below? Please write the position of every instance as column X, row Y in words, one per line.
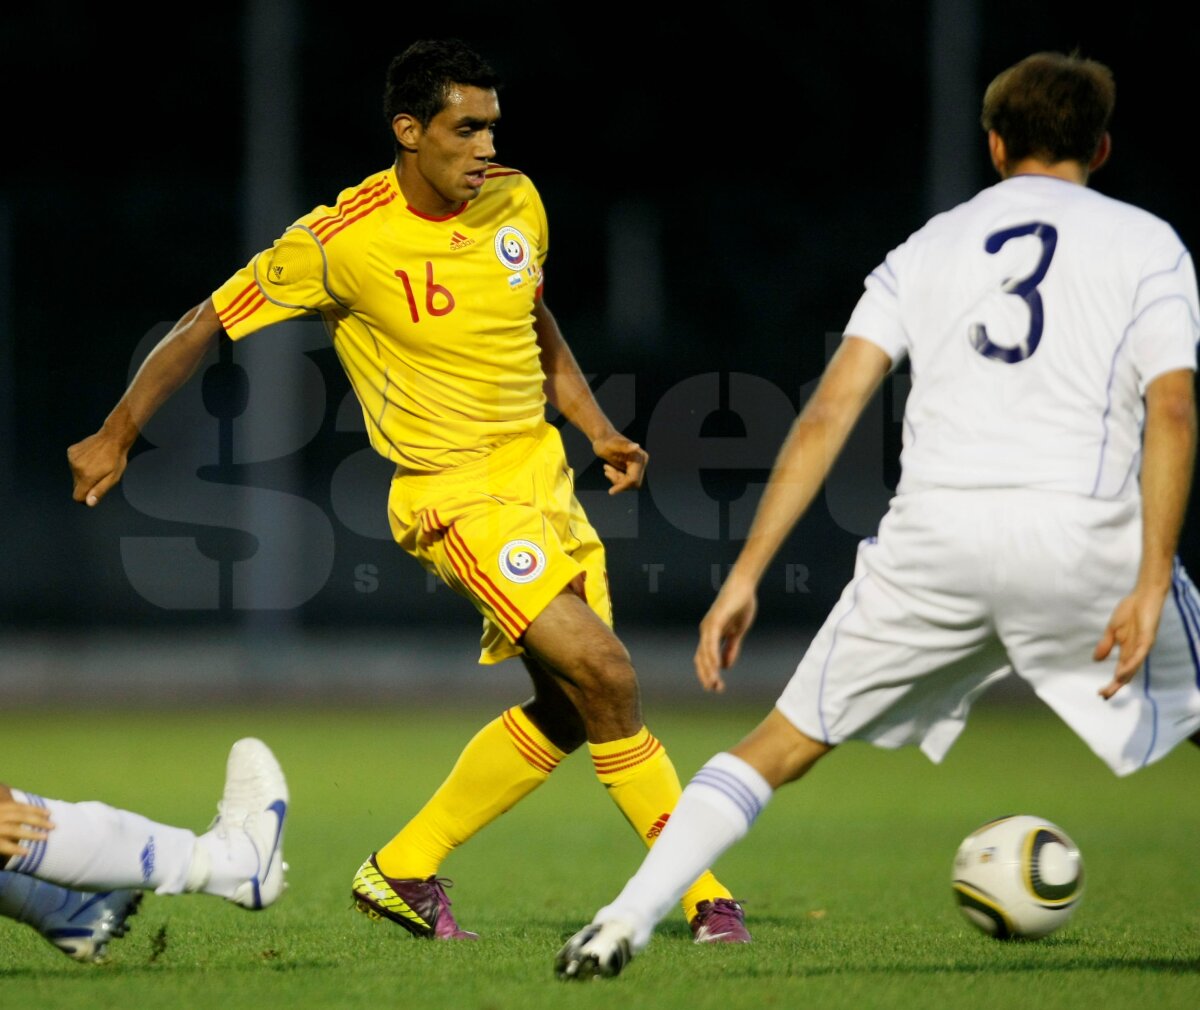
column 1085, row 962
column 1054, row 955
column 673, row 928
column 726, row 967
column 269, row 960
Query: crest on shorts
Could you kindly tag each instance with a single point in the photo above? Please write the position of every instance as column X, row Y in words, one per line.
column 521, row 561
column 512, row 248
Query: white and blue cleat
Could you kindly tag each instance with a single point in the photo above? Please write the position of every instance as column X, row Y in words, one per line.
column 254, row 804
column 596, row 951
column 79, row 923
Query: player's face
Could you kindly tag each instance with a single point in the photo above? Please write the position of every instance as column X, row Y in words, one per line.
column 452, row 152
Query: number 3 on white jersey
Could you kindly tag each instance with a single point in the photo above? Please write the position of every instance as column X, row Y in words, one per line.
column 1024, row 288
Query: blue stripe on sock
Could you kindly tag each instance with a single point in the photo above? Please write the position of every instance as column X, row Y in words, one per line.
column 732, row 788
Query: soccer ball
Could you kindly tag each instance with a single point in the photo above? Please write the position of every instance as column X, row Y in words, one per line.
column 1018, row 877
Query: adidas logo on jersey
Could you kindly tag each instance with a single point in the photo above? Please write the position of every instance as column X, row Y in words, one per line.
column 459, row 241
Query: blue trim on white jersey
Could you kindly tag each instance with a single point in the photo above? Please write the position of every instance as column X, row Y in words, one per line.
column 1170, row 298
column 884, row 284
column 1112, row 374
column 1183, row 254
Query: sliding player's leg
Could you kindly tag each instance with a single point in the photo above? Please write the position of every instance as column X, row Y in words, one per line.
column 96, row 847
column 78, row 923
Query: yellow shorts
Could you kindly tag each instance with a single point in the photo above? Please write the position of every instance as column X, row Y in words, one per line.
column 507, row 533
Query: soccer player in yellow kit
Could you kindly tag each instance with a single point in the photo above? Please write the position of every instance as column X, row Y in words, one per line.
column 428, row 276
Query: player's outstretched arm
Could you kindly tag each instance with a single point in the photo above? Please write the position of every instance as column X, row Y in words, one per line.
column 20, row 823
column 1168, row 463
column 98, row 461
column 624, row 460
column 808, row 453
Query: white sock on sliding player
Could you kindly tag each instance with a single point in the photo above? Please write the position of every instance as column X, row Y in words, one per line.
column 100, row 848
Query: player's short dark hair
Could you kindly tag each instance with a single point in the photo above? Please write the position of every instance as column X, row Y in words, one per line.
column 1051, row 106
column 420, row 78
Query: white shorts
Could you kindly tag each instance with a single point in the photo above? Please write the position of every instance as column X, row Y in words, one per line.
column 960, row 589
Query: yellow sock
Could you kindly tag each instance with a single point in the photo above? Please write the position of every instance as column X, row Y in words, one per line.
column 642, row 781
column 504, row 762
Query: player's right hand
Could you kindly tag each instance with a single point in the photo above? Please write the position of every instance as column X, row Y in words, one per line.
column 20, row 822
column 97, row 463
column 722, row 630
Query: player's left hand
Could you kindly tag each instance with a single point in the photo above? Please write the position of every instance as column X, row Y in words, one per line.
column 20, row 822
column 1132, row 630
column 624, row 461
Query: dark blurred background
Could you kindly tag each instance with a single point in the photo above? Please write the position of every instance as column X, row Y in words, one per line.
column 718, row 185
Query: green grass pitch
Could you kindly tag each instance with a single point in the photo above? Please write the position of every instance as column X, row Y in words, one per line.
column 846, row 876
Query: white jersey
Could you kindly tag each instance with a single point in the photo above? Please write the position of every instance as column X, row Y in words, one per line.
column 1034, row 316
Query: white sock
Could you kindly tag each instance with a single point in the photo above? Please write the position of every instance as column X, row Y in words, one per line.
column 716, row 809
column 95, row 847
column 229, row 858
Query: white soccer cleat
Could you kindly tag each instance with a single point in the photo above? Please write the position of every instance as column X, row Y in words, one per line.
column 596, row 951
column 254, row 805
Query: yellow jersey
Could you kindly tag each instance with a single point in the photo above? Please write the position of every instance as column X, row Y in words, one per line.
column 431, row 317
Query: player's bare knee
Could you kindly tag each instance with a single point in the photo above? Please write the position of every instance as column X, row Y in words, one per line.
column 610, row 675
column 605, row 688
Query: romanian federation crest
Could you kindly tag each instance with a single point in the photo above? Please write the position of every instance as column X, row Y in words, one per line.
column 512, row 248
column 521, row 561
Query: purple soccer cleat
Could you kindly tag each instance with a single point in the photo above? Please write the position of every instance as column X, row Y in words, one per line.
column 720, row 921
column 420, row 906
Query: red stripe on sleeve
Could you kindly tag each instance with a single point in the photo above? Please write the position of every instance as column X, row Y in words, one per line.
column 361, row 214
column 356, row 199
column 235, row 306
column 254, row 305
